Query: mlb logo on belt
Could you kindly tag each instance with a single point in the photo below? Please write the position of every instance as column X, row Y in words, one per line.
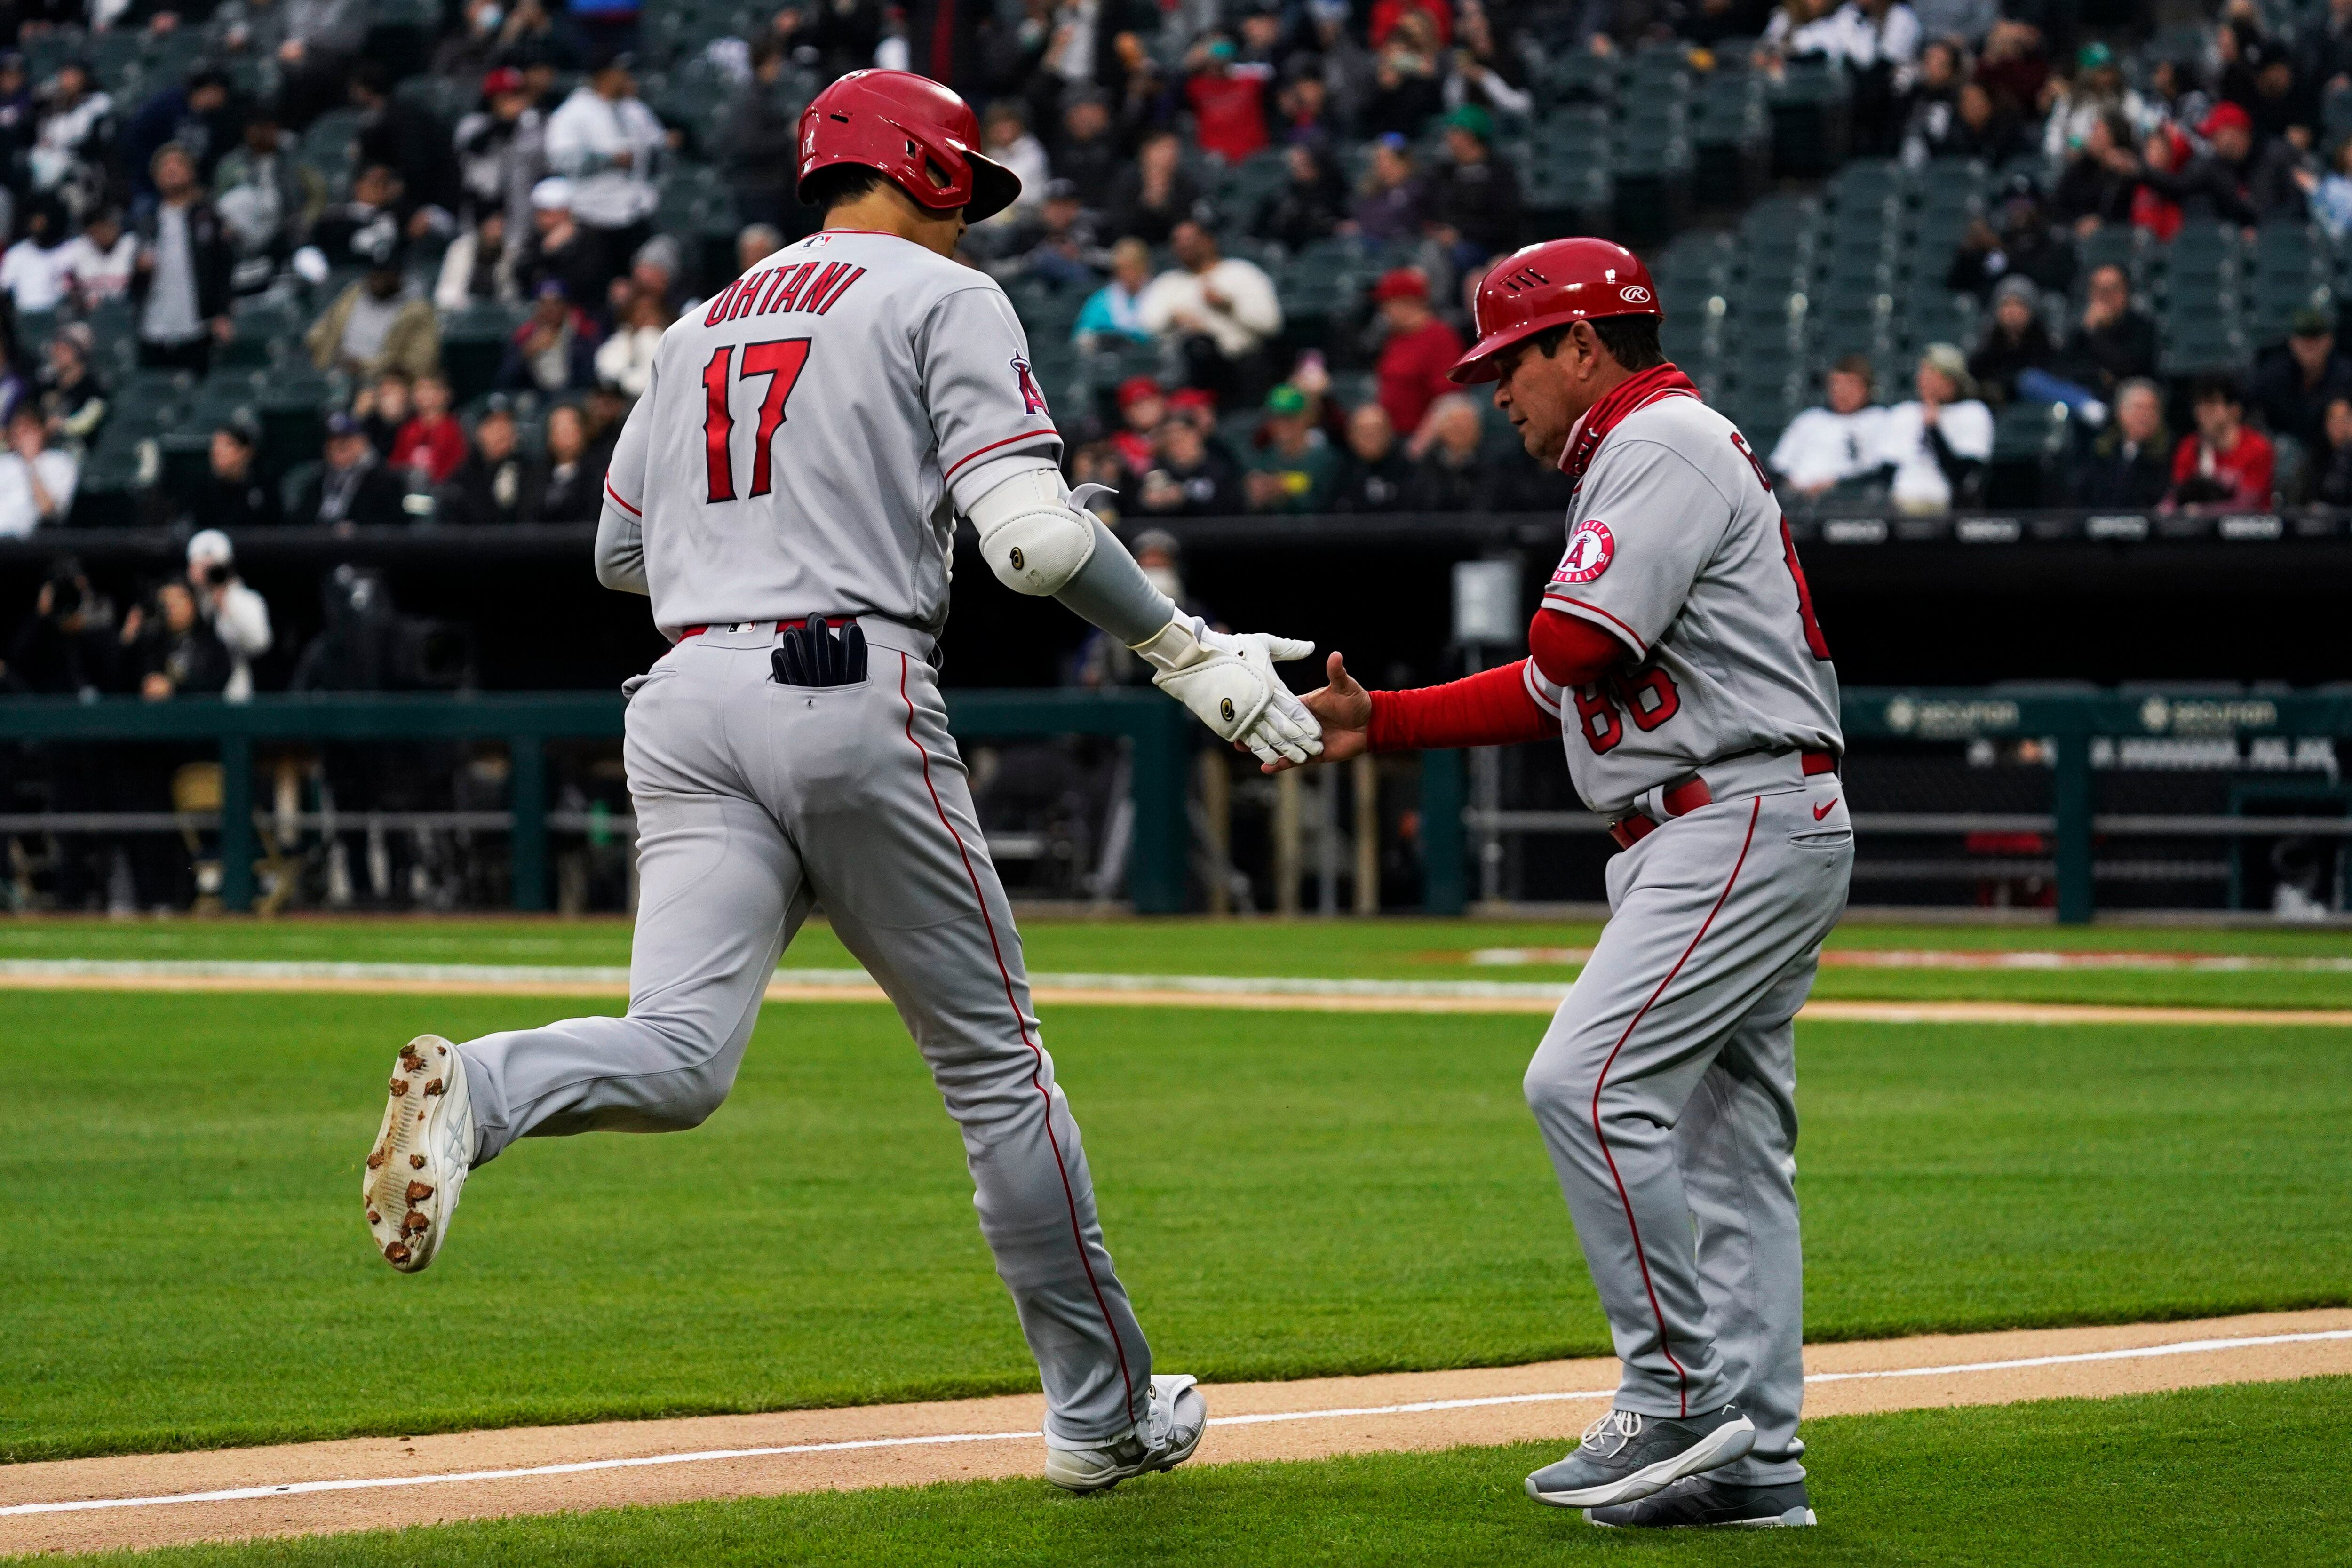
column 1589, row 551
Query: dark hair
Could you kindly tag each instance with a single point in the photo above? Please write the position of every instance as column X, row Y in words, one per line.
column 1856, row 365
column 2222, row 387
column 1632, row 340
column 837, row 184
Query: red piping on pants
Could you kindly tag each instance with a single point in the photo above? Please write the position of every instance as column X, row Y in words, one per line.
column 1076, row 1236
column 1682, row 1378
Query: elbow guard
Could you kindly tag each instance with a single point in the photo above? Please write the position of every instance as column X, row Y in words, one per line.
column 1030, row 534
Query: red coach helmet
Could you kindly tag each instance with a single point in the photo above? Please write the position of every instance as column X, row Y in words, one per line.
column 1550, row 285
column 914, row 133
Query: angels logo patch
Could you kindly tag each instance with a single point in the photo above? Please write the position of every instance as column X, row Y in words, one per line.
column 1589, row 550
column 1033, row 400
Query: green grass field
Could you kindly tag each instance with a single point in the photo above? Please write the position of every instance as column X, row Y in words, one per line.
column 1386, row 949
column 1287, row 1194
column 2247, row 1475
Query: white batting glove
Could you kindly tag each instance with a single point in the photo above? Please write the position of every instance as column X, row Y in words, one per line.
column 1227, row 679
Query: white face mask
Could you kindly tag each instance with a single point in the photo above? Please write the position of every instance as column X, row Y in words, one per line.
column 1168, row 580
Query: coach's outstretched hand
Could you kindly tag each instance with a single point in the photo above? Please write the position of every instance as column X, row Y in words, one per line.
column 1342, row 708
column 1228, row 680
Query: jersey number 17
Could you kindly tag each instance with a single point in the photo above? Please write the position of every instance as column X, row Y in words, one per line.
column 781, row 360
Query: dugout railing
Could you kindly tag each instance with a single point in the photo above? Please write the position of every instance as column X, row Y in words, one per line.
column 1157, row 730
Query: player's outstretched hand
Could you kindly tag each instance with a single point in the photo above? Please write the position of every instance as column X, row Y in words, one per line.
column 1228, row 680
column 1342, row 708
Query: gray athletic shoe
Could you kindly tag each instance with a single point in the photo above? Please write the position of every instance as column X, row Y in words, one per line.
column 1700, row 1500
column 1170, row 1431
column 421, row 1154
column 1626, row 1456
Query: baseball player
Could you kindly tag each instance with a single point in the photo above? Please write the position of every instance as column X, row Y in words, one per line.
column 1677, row 648
column 785, row 492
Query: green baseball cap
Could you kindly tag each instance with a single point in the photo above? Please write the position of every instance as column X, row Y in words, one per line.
column 2093, row 57
column 1286, row 399
column 1474, row 119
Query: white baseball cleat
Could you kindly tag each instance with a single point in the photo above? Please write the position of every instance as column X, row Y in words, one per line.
column 1170, row 1431
column 422, row 1155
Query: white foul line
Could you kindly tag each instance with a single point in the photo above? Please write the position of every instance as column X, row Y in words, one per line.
column 293, row 1488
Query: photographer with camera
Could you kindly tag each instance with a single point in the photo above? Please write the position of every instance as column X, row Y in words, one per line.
column 237, row 616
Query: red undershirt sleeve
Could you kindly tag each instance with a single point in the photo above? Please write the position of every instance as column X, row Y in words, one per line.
column 1569, row 650
column 1492, row 707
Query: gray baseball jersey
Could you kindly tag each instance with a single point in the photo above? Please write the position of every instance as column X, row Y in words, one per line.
column 1676, row 547
column 806, row 439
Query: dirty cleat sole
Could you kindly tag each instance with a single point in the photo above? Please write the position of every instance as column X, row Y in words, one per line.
column 422, row 1153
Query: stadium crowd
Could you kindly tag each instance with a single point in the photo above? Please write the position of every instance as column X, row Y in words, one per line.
column 211, row 206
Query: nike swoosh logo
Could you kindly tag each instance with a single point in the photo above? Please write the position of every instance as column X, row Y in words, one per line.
column 1824, row 809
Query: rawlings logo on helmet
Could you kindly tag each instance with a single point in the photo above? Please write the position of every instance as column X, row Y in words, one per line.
column 1633, row 294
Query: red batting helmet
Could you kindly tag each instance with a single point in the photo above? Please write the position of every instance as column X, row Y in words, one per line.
column 914, row 133
column 1550, row 285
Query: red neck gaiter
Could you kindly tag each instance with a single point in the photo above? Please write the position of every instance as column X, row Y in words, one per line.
column 1642, row 387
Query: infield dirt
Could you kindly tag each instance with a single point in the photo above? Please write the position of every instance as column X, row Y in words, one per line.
column 652, row 1462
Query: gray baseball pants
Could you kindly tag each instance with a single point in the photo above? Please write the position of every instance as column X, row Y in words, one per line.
column 753, row 800
column 1666, row 1090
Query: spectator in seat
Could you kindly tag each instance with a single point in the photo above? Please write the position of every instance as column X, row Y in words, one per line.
column 1940, row 442
column 1307, row 205
column 609, row 145
column 37, row 481
column 1190, row 474
column 494, row 484
column 432, row 444
column 1005, row 134
column 356, row 232
column 1088, row 154
column 384, row 407
column 2294, row 382
column 352, row 489
column 2330, row 192
column 625, row 360
column 2024, row 247
column 501, row 149
column 1838, row 444
column 181, row 280
column 2331, row 466
column 554, row 350
column 1295, row 469
column 568, row 486
column 1407, row 86
column 756, row 140
column 1979, row 126
column 2225, row 462
column 2281, row 100
column 38, row 269
column 1449, row 474
column 63, row 648
column 238, row 617
column 2129, row 467
column 73, row 400
column 2015, row 340
column 1389, row 204
column 1142, row 409
column 2114, row 343
column 1375, row 475
column 1227, row 100
column 1109, row 316
column 1474, row 197
column 200, row 115
column 1218, row 311
column 99, row 260
column 478, row 268
column 1155, row 194
column 1417, row 351
column 2100, row 178
column 2238, row 182
column 560, row 249
column 2098, row 93
column 1935, row 95
column 231, row 498
column 267, row 197
column 77, row 124
column 1056, row 244
column 378, row 323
